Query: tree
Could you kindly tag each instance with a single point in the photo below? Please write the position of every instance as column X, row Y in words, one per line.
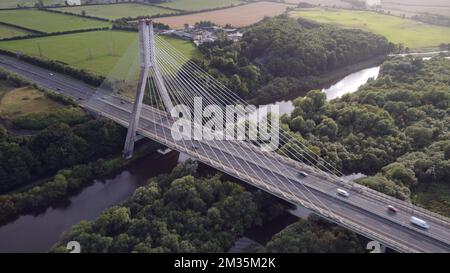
column 39, row 4
column 297, row 124
column 7, row 207
column 57, row 188
column 314, row 235
column 113, row 221
column 421, row 136
column 381, row 184
column 58, row 147
column 318, row 97
column 400, row 173
column 328, row 128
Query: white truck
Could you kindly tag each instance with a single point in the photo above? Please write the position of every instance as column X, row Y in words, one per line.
column 419, row 222
column 343, row 193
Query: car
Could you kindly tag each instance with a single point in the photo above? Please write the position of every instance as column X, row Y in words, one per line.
column 80, row 98
column 58, row 89
column 419, row 222
column 392, row 209
column 194, row 146
column 51, row 74
column 343, row 193
column 122, row 102
column 302, row 174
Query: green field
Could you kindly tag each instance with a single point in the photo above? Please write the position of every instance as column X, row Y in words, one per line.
column 192, row 5
column 8, row 32
column 48, row 21
column 117, row 11
column 4, row 4
column 109, row 53
column 411, row 33
column 25, row 100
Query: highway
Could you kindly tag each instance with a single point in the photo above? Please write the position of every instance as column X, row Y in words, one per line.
column 364, row 211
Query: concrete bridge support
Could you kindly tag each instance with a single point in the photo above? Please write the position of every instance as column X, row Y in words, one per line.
column 144, row 51
column 147, row 56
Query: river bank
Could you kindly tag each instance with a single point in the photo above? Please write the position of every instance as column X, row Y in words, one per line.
column 38, row 232
column 66, row 183
column 326, row 80
column 348, row 84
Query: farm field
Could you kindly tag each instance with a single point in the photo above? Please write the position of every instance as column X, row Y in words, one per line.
column 328, row 3
column 109, row 53
column 25, row 100
column 4, row 4
column 237, row 16
column 412, row 7
column 411, row 33
column 117, row 11
column 8, row 32
column 193, row 5
column 47, row 21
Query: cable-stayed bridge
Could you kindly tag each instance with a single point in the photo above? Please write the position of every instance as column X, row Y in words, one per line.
column 167, row 78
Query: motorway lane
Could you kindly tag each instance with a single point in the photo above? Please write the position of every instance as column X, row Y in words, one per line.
column 76, row 89
column 51, row 80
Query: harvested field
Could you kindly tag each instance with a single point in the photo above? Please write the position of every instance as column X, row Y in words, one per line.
column 412, row 7
column 237, row 16
column 196, row 5
column 410, row 10
column 328, row 3
column 25, row 100
column 117, row 11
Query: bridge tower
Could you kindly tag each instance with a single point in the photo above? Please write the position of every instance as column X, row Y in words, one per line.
column 147, row 56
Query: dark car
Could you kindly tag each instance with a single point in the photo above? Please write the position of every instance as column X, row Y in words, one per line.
column 392, row 209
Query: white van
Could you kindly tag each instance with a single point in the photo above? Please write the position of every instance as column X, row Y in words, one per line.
column 419, row 222
column 342, row 193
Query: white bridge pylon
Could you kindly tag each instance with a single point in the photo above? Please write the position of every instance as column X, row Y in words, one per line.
column 147, row 63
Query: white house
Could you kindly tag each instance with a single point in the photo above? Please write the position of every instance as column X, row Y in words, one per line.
column 73, row 2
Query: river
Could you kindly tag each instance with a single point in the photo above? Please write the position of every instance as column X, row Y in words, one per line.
column 37, row 233
column 348, row 84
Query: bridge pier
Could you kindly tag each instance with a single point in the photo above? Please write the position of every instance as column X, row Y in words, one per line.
column 147, row 57
column 164, row 151
column 144, row 49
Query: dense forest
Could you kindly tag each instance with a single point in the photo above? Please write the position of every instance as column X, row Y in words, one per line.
column 282, row 55
column 178, row 212
column 27, row 158
column 58, row 139
column 395, row 128
column 187, row 211
column 314, row 235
